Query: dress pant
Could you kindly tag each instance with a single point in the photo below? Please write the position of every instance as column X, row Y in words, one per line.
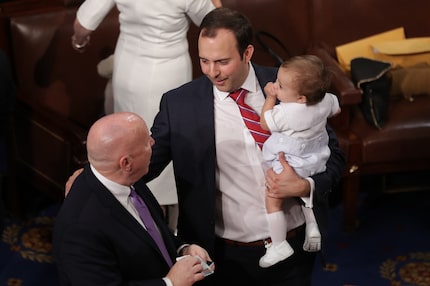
column 239, row 263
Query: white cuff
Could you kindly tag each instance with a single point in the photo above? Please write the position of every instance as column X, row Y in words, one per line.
column 167, row 281
column 178, row 252
column 308, row 200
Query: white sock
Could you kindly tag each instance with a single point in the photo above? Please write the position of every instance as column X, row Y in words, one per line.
column 277, row 226
column 312, row 234
column 309, row 215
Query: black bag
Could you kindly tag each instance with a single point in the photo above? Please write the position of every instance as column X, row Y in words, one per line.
column 270, row 43
column 373, row 79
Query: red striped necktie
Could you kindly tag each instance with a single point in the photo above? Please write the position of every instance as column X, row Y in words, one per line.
column 250, row 117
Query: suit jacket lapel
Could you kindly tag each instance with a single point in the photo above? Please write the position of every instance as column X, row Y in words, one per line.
column 124, row 217
column 265, row 75
column 152, row 203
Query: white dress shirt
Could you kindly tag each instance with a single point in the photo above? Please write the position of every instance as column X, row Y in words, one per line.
column 121, row 193
column 240, row 176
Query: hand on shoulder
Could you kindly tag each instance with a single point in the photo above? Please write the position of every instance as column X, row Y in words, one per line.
column 70, row 181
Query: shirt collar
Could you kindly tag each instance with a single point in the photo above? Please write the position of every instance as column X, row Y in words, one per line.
column 119, row 191
column 250, row 84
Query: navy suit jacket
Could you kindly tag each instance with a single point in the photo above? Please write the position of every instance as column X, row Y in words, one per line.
column 98, row 242
column 184, row 132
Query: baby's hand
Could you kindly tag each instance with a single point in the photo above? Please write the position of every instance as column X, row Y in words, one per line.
column 270, row 90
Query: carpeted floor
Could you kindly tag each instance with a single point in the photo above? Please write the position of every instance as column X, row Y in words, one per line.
column 390, row 247
column 26, row 250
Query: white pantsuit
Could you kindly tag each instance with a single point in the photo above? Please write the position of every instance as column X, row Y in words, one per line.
column 151, row 58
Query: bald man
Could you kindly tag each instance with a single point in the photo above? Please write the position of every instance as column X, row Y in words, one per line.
column 99, row 238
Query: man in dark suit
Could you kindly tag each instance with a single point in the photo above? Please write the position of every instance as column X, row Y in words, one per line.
column 99, row 236
column 218, row 166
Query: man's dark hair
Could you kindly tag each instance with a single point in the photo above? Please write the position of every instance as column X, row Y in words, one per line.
column 225, row 18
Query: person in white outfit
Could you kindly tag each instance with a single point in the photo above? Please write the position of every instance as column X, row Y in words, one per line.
column 151, row 57
column 297, row 126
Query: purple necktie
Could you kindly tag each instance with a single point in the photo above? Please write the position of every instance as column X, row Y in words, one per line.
column 149, row 223
column 250, row 117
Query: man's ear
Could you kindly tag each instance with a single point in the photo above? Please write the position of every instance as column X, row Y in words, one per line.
column 126, row 163
column 247, row 54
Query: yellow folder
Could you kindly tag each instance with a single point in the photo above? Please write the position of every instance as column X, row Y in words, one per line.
column 363, row 47
column 404, row 53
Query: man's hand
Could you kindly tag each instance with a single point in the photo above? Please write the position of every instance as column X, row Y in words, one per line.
column 186, row 271
column 195, row 250
column 70, row 181
column 286, row 184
